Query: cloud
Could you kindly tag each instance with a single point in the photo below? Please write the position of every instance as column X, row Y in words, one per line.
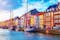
column 19, row 11
column 40, row 5
column 2, row 4
column 10, row 4
column 22, row 10
column 4, row 15
column 58, row 0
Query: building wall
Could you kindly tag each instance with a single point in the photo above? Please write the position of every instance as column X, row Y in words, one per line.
column 32, row 22
column 41, row 21
column 57, row 18
column 22, row 21
column 52, row 16
column 27, row 19
column 48, row 19
column 52, row 19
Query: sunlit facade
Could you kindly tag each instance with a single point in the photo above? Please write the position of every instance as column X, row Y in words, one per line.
column 52, row 16
column 49, row 18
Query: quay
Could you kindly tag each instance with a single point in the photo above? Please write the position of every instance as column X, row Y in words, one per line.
column 52, row 32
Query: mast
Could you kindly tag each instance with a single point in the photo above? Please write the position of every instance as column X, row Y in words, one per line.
column 11, row 17
column 27, row 12
column 27, row 5
column 11, row 14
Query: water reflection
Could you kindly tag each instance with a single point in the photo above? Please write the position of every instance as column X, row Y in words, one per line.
column 11, row 35
column 4, row 34
column 30, row 36
column 40, row 36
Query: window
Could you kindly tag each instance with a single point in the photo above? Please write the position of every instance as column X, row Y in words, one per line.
column 47, row 14
column 55, row 12
column 56, row 16
column 56, row 21
column 59, row 6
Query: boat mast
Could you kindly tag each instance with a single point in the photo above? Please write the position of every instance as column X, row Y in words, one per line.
column 27, row 12
column 11, row 17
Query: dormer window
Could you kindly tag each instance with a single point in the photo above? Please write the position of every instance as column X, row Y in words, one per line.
column 56, row 9
column 59, row 6
column 47, row 10
column 52, row 9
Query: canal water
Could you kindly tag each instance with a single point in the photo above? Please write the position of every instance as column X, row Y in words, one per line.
column 12, row 35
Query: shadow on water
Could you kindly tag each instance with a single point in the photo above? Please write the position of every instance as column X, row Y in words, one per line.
column 12, row 35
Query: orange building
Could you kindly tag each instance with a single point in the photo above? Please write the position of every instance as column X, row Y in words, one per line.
column 33, row 20
column 52, row 16
column 48, row 19
column 57, row 16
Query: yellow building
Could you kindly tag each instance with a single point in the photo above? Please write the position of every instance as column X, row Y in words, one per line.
column 32, row 22
column 48, row 19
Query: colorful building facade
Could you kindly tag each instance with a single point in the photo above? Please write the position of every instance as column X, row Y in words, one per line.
column 52, row 16
column 40, row 20
column 32, row 18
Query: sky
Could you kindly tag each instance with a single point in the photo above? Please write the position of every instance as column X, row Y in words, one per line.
column 19, row 7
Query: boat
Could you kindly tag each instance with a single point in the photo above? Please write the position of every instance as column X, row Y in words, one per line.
column 30, row 29
column 4, row 31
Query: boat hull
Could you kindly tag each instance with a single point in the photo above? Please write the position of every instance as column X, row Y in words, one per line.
column 30, row 30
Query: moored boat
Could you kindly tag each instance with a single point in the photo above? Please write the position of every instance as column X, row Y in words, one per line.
column 31, row 29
